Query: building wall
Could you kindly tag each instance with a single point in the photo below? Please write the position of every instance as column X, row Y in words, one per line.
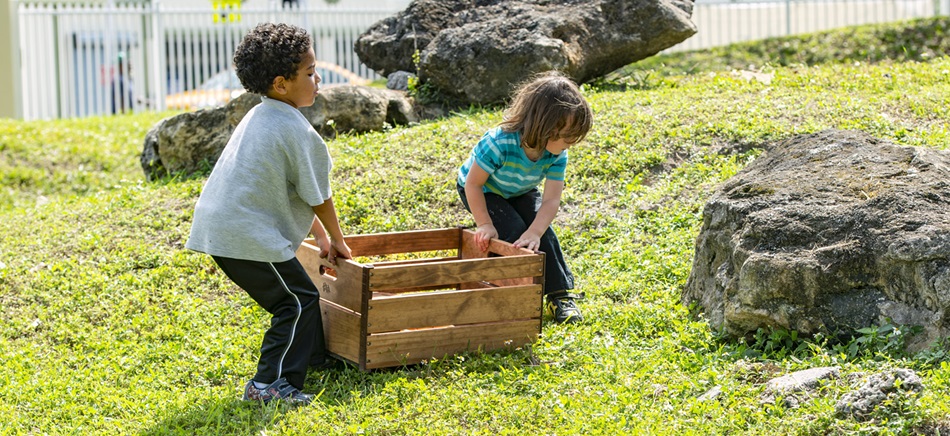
column 9, row 62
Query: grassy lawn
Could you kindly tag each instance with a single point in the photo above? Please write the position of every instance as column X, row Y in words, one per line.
column 109, row 326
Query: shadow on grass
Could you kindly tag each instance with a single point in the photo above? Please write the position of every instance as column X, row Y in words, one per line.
column 333, row 386
column 220, row 416
column 231, row 415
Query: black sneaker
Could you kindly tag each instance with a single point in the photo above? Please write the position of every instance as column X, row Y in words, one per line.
column 565, row 310
column 279, row 390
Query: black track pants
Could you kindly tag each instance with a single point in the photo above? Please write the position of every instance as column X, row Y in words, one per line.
column 294, row 340
column 511, row 218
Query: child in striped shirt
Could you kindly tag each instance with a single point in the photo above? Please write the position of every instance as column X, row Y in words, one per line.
column 499, row 181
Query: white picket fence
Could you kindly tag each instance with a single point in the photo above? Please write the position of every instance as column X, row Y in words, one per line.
column 75, row 56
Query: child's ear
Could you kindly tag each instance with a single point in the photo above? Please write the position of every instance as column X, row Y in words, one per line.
column 279, row 85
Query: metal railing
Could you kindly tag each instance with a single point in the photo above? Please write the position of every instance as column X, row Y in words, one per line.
column 83, row 59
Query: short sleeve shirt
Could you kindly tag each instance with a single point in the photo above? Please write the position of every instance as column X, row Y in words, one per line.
column 511, row 172
column 258, row 201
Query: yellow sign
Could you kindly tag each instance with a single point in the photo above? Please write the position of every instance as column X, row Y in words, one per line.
column 226, row 10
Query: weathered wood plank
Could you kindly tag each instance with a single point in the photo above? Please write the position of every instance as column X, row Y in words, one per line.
column 441, row 308
column 379, row 244
column 341, row 329
column 412, row 261
column 413, row 346
column 455, row 271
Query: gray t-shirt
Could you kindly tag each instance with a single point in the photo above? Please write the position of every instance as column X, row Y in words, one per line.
column 257, row 203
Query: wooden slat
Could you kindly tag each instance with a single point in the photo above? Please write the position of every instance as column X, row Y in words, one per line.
column 496, row 247
column 441, row 308
column 346, row 289
column 341, row 328
column 455, row 271
column 539, row 279
column 413, row 346
column 469, row 250
column 412, row 261
column 506, row 249
column 442, row 287
column 379, row 244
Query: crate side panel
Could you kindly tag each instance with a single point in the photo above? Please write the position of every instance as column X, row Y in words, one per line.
column 413, row 346
column 341, row 283
column 443, row 308
column 341, row 328
column 379, row 244
column 455, row 271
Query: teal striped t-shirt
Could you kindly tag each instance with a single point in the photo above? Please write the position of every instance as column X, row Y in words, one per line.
column 510, row 172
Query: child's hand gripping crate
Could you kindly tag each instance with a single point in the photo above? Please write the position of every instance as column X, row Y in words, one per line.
column 400, row 312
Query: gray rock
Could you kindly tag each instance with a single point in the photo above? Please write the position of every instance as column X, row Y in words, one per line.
column 478, row 51
column 358, row 109
column 829, row 232
column 711, row 395
column 399, row 80
column 192, row 142
column 798, row 386
column 187, row 143
column 891, row 385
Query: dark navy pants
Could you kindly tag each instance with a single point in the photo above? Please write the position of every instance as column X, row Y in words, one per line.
column 294, row 340
column 511, row 218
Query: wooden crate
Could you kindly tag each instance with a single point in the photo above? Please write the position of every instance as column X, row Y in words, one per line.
column 403, row 311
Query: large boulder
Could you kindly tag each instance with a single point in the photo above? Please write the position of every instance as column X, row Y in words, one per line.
column 478, row 51
column 192, row 142
column 358, row 109
column 828, row 232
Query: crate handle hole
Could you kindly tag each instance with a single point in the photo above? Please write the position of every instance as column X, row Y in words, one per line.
column 328, row 272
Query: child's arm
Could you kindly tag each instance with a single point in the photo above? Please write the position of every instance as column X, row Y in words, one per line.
column 550, row 202
column 326, row 213
column 474, row 182
column 320, row 236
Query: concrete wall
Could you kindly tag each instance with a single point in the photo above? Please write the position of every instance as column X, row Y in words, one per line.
column 9, row 62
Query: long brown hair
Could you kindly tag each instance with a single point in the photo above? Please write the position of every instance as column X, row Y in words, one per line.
column 546, row 107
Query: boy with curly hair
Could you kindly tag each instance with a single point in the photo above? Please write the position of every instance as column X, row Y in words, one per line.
column 267, row 191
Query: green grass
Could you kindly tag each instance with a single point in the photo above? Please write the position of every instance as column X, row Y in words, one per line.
column 915, row 40
column 110, row 327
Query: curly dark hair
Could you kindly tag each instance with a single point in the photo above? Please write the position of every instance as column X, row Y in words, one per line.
column 268, row 51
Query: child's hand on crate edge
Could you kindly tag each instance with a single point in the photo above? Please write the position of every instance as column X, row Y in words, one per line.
column 483, row 235
column 337, row 249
